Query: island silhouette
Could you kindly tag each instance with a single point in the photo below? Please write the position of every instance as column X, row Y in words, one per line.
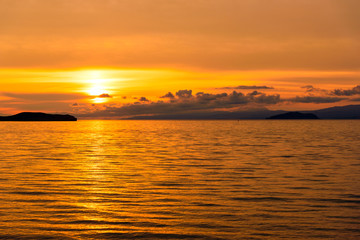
column 38, row 116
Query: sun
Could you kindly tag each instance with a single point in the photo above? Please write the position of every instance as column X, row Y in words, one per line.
column 97, row 87
column 96, row 90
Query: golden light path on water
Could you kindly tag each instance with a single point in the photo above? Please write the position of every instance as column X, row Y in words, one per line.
column 180, row 180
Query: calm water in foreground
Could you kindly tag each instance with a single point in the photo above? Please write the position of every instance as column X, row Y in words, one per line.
column 180, row 180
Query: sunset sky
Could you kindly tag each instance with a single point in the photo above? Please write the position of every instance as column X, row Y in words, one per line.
column 120, row 58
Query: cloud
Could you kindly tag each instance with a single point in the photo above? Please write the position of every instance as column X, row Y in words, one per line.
column 312, row 89
column 185, row 102
column 336, row 92
column 104, row 95
column 308, row 87
column 168, row 95
column 315, row 99
column 184, row 93
column 350, row 92
column 46, row 102
column 278, row 38
column 43, row 106
column 244, row 87
column 44, row 96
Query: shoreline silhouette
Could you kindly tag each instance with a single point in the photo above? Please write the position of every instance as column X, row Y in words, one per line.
column 38, row 116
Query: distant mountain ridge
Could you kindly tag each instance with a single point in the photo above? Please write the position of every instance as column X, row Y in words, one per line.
column 38, row 116
column 341, row 112
column 217, row 115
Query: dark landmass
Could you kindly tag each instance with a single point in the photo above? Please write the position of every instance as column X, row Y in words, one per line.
column 294, row 115
column 38, row 116
column 344, row 112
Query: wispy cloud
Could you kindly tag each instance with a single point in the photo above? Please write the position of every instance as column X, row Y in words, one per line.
column 315, row 99
column 319, row 95
column 245, row 87
column 313, row 90
column 104, row 95
column 47, row 102
column 336, row 92
column 277, row 38
column 44, row 96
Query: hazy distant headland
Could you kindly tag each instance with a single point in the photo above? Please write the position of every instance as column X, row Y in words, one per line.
column 341, row 112
column 294, row 115
column 38, row 116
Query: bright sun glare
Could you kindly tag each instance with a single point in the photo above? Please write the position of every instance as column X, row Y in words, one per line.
column 97, row 86
column 96, row 90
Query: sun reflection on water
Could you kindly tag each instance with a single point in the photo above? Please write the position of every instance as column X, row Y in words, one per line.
column 179, row 179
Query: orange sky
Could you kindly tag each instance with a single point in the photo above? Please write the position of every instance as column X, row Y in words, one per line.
column 61, row 55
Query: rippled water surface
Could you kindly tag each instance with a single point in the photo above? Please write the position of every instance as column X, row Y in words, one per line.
column 180, row 180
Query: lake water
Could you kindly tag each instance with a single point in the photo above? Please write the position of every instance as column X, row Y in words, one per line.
column 180, row 180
